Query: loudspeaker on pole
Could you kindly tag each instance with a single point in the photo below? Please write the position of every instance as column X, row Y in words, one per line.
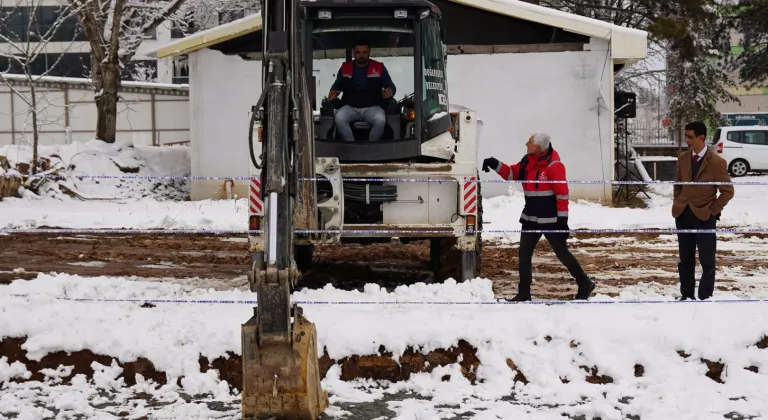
column 624, row 104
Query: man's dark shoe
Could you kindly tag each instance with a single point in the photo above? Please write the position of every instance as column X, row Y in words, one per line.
column 585, row 290
column 682, row 298
column 521, row 297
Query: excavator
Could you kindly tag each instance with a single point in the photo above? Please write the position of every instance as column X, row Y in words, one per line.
column 309, row 187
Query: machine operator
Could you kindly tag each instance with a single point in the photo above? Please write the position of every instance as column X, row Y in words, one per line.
column 366, row 85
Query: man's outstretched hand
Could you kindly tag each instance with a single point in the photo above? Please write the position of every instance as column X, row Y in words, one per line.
column 490, row 163
column 386, row 93
column 332, row 95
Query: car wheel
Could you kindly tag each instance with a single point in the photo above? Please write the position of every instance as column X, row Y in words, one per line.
column 738, row 167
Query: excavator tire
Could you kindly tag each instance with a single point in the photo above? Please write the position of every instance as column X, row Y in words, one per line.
column 281, row 380
column 303, row 255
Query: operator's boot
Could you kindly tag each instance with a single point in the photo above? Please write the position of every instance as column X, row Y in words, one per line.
column 586, row 287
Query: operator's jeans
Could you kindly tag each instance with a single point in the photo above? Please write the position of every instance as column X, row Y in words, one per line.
column 372, row 115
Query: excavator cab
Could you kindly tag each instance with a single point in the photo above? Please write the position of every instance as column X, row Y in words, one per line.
column 406, row 37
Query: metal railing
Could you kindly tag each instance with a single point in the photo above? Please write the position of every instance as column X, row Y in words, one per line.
column 650, row 135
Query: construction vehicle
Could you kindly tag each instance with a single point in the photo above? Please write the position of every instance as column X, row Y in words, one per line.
column 308, row 187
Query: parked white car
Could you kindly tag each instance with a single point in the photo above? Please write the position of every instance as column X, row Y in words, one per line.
column 744, row 148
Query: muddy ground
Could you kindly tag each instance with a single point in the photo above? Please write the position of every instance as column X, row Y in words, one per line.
column 615, row 261
column 215, row 261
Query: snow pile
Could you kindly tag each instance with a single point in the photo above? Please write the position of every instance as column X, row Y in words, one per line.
column 97, row 158
column 548, row 344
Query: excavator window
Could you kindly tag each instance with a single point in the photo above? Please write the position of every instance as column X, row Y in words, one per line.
column 413, row 54
column 434, row 84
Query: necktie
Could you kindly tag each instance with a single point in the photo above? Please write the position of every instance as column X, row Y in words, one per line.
column 695, row 158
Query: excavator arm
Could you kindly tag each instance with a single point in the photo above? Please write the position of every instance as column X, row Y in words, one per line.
column 280, row 357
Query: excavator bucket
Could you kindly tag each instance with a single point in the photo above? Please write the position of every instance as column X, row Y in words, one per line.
column 281, row 379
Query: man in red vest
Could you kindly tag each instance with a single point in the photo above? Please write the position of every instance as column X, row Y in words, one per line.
column 366, row 84
column 546, row 208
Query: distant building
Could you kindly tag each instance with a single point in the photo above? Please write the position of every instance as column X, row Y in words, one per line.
column 753, row 100
column 72, row 52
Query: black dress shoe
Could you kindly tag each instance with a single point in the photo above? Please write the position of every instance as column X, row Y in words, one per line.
column 521, row 297
column 585, row 291
column 686, row 298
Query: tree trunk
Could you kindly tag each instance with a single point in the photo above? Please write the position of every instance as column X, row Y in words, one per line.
column 35, row 131
column 106, row 80
column 33, row 109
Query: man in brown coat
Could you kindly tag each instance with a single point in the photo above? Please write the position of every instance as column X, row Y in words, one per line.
column 698, row 207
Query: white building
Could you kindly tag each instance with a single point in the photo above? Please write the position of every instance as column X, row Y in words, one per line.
column 530, row 69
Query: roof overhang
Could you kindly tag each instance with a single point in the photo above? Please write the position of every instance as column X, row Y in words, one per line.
column 627, row 45
column 198, row 41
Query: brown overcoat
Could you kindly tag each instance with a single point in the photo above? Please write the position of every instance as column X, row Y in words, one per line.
column 703, row 199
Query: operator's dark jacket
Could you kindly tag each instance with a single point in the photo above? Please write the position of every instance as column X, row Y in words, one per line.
column 362, row 85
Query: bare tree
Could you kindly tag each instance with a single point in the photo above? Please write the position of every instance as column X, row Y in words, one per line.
column 115, row 29
column 23, row 51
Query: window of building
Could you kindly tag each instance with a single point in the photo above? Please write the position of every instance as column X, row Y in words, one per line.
column 140, row 71
column 62, row 65
column 25, row 24
column 151, row 33
column 180, row 71
column 180, row 30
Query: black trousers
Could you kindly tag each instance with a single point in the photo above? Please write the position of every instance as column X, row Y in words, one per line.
column 559, row 244
column 687, row 244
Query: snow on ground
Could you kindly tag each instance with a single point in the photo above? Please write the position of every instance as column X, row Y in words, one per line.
column 612, row 337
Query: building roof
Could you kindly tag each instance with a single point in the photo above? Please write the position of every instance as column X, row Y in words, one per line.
column 212, row 36
column 628, row 45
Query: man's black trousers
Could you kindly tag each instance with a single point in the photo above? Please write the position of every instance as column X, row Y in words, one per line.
column 687, row 244
column 559, row 244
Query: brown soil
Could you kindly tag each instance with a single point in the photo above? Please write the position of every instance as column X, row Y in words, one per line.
column 378, row 366
column 205, row 256
column 350, row 266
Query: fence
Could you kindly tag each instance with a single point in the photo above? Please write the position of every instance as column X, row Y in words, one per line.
column 148, row 113
column 650, row 135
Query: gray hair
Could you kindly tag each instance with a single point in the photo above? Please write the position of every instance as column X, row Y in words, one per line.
column 541, row 139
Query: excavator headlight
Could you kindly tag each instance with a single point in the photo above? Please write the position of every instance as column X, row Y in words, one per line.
column 401, row 14
column 324, row 14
